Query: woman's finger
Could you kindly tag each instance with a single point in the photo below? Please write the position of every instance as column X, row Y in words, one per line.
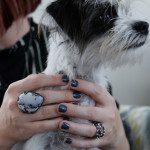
column 86, row 130
column 59, row 96
column 95, row 91
column 34, row 82
column 85, row 142
column 84, row 112
column 45, row 112
column 45, row 125
column 52, row 97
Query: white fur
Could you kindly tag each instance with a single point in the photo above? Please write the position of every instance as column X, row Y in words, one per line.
column 98, row 57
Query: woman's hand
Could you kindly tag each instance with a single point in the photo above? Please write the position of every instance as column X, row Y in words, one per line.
column 105, row 112
column 17, row 126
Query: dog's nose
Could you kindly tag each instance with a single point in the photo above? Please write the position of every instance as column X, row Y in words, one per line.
column 141, row 27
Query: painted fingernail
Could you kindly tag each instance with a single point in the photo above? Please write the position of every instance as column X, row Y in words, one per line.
column 68, row 141
column 62, row 108
column 74, row 83
column 65, row 78
column 76, row 94
column 41, row 73
column 65, row 126
column 66, row 118
column 75, row 103
column 61, row 72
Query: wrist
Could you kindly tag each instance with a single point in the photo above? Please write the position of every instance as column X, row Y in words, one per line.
column 5, row 142
column 123, row 144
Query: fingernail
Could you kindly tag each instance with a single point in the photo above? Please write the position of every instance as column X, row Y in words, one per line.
column 62, row 108
column 76, row 94
column 68, row 141
column 74, row 83
column 65, row 126
column 66, row 118
column 75, row 103
column 65, row 78
column 61, row 72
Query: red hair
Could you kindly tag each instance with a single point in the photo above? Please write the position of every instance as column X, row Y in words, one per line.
column 11, row 10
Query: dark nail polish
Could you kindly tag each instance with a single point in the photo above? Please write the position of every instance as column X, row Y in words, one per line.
column 76, row 94
column 68, row 141
column 41, row 73
column 75, row 103
column 62, row 108
column 65, row 79
column 65, row 126
column 74, row 83
column 61, row 72
column 66, row 118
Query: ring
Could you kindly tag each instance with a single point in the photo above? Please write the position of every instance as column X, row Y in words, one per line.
column 30, row 102
column 100, row 130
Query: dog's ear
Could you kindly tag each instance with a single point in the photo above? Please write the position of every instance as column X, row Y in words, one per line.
column 67, row 14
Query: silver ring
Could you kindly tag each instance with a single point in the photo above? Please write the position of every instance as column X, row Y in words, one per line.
column 30, row 102
column 100, row 130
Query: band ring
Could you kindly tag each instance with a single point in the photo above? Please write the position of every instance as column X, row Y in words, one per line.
column 100, row 130
column 30, row 102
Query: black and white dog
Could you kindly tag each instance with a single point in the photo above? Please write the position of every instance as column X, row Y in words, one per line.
column 87, row 38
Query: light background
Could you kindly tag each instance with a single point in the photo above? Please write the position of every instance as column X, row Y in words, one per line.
column 131, row 84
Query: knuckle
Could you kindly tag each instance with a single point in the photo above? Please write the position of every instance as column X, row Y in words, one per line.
column 112, row 117
column 112, row 101
column 96, row 90
column 90, row 132
column 92, row 113
column 33, row 77
column 12, row 87
column 11, row 105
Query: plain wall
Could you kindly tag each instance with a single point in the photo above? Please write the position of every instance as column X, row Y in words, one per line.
column 131, row 84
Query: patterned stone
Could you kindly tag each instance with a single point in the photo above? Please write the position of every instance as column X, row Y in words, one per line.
column 30, row 102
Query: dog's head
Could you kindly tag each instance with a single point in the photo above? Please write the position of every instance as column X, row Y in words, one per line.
column 104, row 23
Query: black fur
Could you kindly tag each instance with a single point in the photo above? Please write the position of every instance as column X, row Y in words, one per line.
column 81, row 21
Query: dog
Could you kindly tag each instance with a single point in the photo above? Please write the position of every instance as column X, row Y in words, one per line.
column 87, row 38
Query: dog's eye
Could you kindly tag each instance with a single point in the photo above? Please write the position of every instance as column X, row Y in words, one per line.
column 107, row 17
column 101, row 18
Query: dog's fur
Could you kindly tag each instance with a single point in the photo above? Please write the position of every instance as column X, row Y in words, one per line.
column 88, row 37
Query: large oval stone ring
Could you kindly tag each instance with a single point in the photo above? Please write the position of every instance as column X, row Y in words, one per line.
column 100, row 130
column 30, row 102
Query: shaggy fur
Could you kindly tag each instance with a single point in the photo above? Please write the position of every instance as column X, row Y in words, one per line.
column 87, row 38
